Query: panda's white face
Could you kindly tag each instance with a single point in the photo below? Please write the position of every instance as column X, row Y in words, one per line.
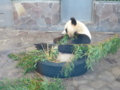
column 69, row 29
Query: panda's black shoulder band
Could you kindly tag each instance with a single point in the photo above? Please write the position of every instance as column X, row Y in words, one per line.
column 73, row 21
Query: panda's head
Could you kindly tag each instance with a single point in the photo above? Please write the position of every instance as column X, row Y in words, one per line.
column 70, row 28
column 73, row 27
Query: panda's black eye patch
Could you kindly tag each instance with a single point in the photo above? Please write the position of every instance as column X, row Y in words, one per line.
column 66, row 30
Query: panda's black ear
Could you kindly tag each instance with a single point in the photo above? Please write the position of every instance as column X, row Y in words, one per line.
column 73, row 21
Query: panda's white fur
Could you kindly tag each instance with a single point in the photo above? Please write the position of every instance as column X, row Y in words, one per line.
column 79, row 28
column 64, row 57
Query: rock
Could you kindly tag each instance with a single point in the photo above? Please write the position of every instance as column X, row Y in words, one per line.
column 27, row 5
column 106, row 76
column 118, row 79
column 85, row 87
column 31, row 22
column 105, row 88
column 55, row 19
column 90, row 75
column 50, row 5
column 115, row 85
column 70, row 88
column 106, row 11
column 48, row 12
column 34, row 27
column 43, row 6
column 36, row 13
column 98, row 7
column 55, row 8
column 41, row 22
column 81, row 82
column 98, row 84
column 113, row 18
column 48, row 21
column 115, row 71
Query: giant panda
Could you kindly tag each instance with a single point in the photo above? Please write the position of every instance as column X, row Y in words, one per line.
column 72, row 28
column 75, row 28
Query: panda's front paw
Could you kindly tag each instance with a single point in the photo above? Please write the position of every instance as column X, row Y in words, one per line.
column 56, row 40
